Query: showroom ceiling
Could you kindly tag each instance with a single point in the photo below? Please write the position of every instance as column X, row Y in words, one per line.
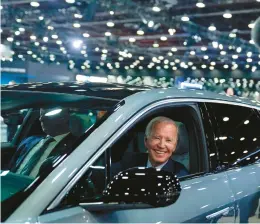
column 133, row 34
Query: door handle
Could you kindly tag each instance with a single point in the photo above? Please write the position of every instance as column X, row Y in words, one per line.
column 222, row 212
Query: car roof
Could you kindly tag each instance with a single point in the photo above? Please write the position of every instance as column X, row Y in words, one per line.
column 103, row 90
column 76, row 91
column 193, row 94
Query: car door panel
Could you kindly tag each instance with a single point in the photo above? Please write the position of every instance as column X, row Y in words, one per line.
column 198, row 200
column 245, row 184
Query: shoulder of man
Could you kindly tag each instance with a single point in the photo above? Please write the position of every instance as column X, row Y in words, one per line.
column 178, row 168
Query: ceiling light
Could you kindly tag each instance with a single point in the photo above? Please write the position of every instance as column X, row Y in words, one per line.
column 213, row 63
column 200, row 4
column 140, row 32
column 54, row 36
column 45, row 39
column 18, row 20
column 156, row 9
column 185, row 18
column 174, row 49
column 163, row 38
column 249, row 60
column 85, row 35
column 29, row 52
column 36, row 43
column 203, row 48
column 131, row 39
column 32, row 37
column 203, row 66
column 111, row 12
column 1, row 7
column 192, row 53
column 212, row 28
column 220, row 46
column 59, row 42
column 206, row 57
column 155, row 45
column 235, row 56
column 171, row 31
column 41, row 17
column 76, row 25
column 21, row 29
column 251, row 42
column 170, row 54
column 141, row 58
column 10, row 39
column 226, row 66
column 17, row 33
column 17, row 43
column 77, row 43
column 70, row 1
column 227, row 15
column 110, row 24
column 35, row 4
column 215, row 44
column 232, row 35
column 108, row 34
column 150, row 23
column 223, row 52
column 79, row 16
column 104, row 51
column 249, row 54
column 50, row 28
column 239, row 49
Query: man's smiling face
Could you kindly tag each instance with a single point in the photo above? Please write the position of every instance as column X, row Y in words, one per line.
column 161, row 143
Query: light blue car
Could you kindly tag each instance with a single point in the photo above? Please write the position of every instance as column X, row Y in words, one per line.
column 80, row 180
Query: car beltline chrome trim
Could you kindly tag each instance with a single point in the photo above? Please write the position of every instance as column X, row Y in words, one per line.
column 57, row 200
column 222, row 212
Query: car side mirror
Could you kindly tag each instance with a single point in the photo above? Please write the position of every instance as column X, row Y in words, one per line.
column 143, row 185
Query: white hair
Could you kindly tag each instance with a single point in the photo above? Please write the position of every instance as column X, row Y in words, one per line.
column 160, row 119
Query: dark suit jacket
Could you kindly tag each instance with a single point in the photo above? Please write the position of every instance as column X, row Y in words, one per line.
column 27, row 144
column 130, row 160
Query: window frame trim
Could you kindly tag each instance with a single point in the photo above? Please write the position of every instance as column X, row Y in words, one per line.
column 114, row 136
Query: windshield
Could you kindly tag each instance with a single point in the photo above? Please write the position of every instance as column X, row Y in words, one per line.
column 35, row 139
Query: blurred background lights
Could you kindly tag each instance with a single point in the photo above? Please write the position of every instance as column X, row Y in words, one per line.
column 35, row 4
column 77, row 43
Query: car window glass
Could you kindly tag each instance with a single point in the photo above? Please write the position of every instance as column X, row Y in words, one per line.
column 45, row 138
column 237, row 133
column 10, row 123
column 128, row 151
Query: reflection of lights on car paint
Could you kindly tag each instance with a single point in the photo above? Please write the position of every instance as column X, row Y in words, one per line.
column 223, row 138
column 140, row 174
column 53, row 112
column 242, row 139
column 226, row 119
column 4, row 173
column 202, row 189
column 246, row 122
column 212, row 154
column 254, row 139
column 232, row 153
column 248, row 158
column 245, row 151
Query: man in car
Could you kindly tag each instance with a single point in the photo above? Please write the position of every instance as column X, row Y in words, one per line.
column 161, row 136
column 34, row 150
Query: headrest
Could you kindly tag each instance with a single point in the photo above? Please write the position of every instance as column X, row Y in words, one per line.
column 183, row 140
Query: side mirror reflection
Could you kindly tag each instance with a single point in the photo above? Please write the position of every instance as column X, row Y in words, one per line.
column 143, row 185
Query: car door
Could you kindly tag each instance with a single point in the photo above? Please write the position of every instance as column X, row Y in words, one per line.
column 205, row 197
column 237, row 131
